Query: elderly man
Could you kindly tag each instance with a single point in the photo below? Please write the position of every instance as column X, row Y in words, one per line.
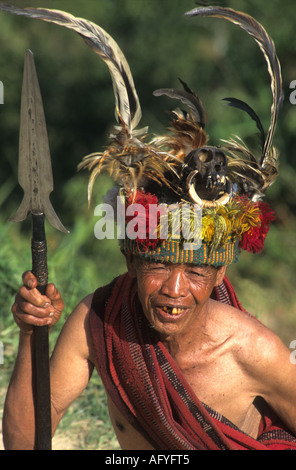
column 183, row 365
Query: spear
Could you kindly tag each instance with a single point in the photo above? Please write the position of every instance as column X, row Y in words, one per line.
column 35, row 178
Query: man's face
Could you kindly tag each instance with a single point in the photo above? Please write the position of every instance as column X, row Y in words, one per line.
column 174, row 295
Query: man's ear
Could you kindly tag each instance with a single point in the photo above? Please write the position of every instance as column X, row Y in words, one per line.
column 130, row 264
column 220, row 275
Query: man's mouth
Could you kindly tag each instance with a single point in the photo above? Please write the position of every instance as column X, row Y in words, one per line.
column 173, row 310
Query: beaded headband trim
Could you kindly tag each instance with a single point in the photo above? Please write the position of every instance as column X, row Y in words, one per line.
column 172, row 252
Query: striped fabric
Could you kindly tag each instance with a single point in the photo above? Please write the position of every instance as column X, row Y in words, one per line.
column 147, row 386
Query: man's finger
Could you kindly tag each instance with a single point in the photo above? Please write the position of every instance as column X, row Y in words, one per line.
column 33, row 296
column 29, row 279
column 30, row 320
column 31, row 309
column 52, row 292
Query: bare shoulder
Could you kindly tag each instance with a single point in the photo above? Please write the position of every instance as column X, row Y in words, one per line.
column 255, row 345
column 77, row 322
column 234, row 323
column 81, row 311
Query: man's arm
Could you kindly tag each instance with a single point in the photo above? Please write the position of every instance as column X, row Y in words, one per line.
column 70, row 366
column 72, row 362
column 280, row 384
column 275, row 375
column 18, row 418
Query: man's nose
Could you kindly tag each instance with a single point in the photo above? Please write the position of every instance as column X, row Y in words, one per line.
column 174, row 285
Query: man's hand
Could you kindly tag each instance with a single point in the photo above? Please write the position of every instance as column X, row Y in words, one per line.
column 34, row 309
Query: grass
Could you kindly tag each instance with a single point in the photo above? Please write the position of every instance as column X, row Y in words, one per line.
column 78, row 263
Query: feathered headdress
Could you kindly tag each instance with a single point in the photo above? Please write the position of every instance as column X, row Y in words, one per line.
column 227, row 182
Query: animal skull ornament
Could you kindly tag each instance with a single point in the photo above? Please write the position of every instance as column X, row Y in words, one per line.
column 207, row 182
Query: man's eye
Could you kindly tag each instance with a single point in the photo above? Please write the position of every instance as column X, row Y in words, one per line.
column 147, row 267
column 159, row 268
column 195, row 273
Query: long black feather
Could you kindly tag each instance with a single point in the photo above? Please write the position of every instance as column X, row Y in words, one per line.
column 239, row 104
column 187, row 97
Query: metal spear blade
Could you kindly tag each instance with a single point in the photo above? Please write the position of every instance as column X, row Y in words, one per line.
column 34, row 170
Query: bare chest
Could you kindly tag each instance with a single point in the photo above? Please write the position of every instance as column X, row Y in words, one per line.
column 219, row 382
column 220, row 386
column 128, row 437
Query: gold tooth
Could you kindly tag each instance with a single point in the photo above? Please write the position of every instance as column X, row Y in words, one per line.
column 173, row 310
column 176, row 311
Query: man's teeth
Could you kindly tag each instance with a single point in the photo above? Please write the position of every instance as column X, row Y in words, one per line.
column 173, row 310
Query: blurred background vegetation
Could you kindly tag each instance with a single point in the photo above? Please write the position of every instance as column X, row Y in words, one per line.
column 217, row 60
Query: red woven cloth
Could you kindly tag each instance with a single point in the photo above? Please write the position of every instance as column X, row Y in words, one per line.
column 149, row 389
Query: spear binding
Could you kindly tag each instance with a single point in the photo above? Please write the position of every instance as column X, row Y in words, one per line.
column 35, row 178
